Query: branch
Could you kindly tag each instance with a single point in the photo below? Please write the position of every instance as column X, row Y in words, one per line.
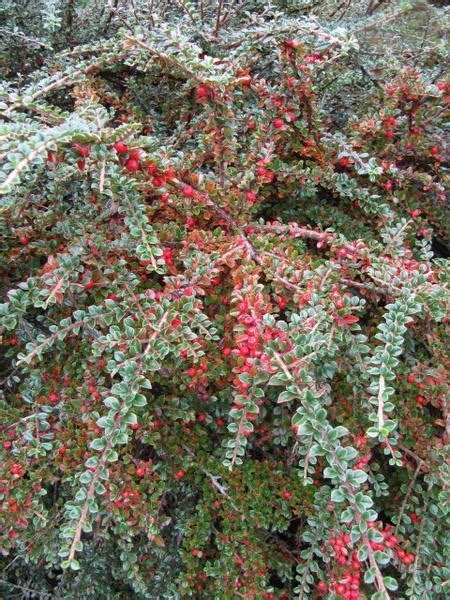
column 373, row 563
column 380, row 413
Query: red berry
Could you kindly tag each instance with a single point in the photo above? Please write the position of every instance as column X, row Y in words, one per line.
column 344, row 161
column 391, row 541
column 120, row 148
column 245, row 80
column 202, row 92
column 82, row 150
column 132, row 165
column 278, row 123
column 24, row 240
column 188, row 191
column 90, row 284
column 341, row 589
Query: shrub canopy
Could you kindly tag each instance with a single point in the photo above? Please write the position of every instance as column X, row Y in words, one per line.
column 224, row 292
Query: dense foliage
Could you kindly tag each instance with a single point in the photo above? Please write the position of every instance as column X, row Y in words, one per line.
column 224, row 291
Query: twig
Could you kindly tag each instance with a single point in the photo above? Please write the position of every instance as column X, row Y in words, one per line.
column 218, row 16
column 380, row 412
column 405, row 499
column 282, row 365
column 25, row 589
column 214, row 479
column 102, row 177
column 373, row 563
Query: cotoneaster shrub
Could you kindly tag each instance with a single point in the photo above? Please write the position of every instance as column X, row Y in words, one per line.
column 224, row 310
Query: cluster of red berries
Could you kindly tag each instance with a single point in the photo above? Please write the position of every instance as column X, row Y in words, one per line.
column 420, row 400
column 196, row 374
column 265, row 175
column 17, row 470
column 197, row 371
column 128, row 498
column 93, row 389
column 389, row 123
column 347, row 584
column 132, row 162
column 167, row 256
column 248, row 340
column 7, row 444
column 251, row 198
column 248, row 346
column 362, row 463
column 391, row 541
column 143, row 469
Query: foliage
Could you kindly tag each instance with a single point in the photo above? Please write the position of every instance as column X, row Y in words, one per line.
column 224, row 300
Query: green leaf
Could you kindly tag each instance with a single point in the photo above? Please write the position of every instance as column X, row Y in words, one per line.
column 356, row 477
column 139, row 400
column 347, row 515
column 390, row 583
column 111, row 456
column 370, row 575
column 130, row 419
column 337, row 495
column 112, row 402
column 74, row 565
column 86, row 477
column 98, row 443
